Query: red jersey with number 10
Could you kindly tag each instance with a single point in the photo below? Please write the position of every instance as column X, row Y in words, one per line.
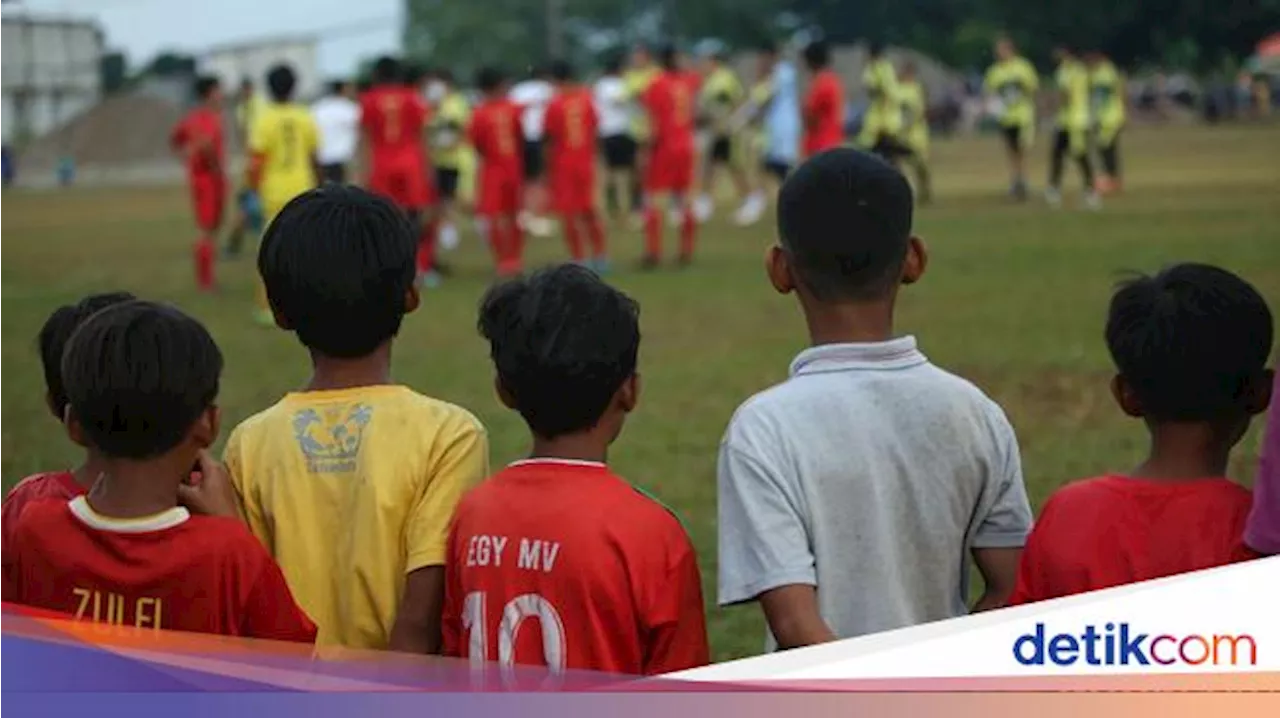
column 563, row 564
column 671, row 101
column 394, row 119
column 570, row 128
column 823, row 113
column 496, row 135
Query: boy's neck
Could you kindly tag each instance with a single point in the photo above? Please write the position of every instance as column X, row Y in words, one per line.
column 128, row 488
column 848, row 322
column 330, row 373
column 582, row 446
column 88, row 472
column 1185, row 451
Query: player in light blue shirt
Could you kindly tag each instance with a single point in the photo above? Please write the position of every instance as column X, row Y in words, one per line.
column 774, row 102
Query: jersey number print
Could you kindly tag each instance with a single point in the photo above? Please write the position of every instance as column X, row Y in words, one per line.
column 475, row 618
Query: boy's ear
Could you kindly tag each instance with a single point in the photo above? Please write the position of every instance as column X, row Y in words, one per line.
column 1126, row 399
column 917, row 260
column 53, row 407
column 205, row 431
column 75, row 431
column 508, row 400
column 778, row 267
column 628, row 396
column 412, row 298
column 1260, row 392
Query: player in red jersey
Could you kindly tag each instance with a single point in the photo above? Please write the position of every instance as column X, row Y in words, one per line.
column 393, row 119
column 496, row 135
column 198, row 139
column 55, row 333
column 824, row 105
column 570, row 134
column 556, row 560
column 671, row 103
column 141, row 381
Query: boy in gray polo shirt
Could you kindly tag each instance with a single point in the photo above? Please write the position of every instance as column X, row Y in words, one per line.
column 851, row 494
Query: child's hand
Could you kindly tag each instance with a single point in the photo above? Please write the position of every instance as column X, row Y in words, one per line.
column 211, row 492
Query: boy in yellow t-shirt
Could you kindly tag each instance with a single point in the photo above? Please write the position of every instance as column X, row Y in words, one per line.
column 282, row 147
column 350, row 482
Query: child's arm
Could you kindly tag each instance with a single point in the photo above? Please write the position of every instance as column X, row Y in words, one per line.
column 270, row 610
column 999, row 569
column 793, row 616
column 462, row 464
column 1001, row 534
column 213, row 495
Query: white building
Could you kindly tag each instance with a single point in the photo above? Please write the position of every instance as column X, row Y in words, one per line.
column 50, row 71
column 233, row 63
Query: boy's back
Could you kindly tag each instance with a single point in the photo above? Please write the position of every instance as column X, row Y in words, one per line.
column 350, row 490
column 1113, row 530
column 870, row 473
column 286, row 137
column 609, row 574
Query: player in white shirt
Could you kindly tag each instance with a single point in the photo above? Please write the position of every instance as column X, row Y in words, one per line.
column 533, row 95
column 337, row 117
column 613, row 108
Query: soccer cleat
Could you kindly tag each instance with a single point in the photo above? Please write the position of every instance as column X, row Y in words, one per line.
column 1092, row 201
column 1053, row 197
column 703, row 208
column 752, row 209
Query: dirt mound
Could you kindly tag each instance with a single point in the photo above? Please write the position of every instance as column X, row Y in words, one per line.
column 120, row 130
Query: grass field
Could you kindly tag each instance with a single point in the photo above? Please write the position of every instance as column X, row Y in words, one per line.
column 1014, row 300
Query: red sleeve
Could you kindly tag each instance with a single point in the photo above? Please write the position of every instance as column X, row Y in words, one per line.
column 677, row 626
column 1034, row 580
column 178, row 138
column 366, row 112
column 8, row 557
column 551, row 124
column 269, row 610
column 451, row 632
column 475, row 130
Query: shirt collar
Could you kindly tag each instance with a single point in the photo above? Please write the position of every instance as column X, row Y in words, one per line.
column 538, row 461
column 900, row 353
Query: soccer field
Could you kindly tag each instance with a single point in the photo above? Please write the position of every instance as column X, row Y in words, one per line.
column 1014, row 299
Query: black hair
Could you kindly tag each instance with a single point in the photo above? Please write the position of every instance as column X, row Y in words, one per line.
column 337, row 263
column 246, row 83
column 53, row 337
column 337, row 87
column 817, row 55
column 1189, row 341
column 414, row 73
column 562, row 342
column 445, row 75
column 561, row 71
column 844, row 220
column 387, row 71
column 875, row 48
column 668, row 57
column 280, row 82
column 613, row 64
column 205, row 85
column 139, row 375
column 488, row 78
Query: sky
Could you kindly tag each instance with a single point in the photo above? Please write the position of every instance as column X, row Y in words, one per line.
column 349, row 30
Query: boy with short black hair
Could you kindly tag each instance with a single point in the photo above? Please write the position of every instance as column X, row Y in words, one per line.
column 850, row 494
column 141, row 382
column 609, row 572
column 55, row 333
column 1190, row 346
column 350, row 482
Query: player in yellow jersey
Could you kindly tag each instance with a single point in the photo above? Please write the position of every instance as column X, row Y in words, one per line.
column 881, row 131
column 249, row 216
column 915, row 127
column 721, row 95
column 1071, row 136
column 448, row 129
column 636, row 79
column 1013, row 82
column 282, row 148
column 1107, row 102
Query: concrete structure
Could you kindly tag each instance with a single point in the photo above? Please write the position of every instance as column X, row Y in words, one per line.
column 232, row 63
column 50, row 70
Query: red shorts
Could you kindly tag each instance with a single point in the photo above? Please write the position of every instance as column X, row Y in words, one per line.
column 573, row 187
column 208, row 197
column 404, row 182
column 670, row 169
column 499, row 190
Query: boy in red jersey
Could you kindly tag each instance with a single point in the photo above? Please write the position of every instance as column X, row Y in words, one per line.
column 55, row 333
column 609, row 574
column 141, row 381
column 824, row 105
column 198, row 138
column 1190, row 345
column 671, row 102
column 498, row 140
column 570, row 134
column 394, row 117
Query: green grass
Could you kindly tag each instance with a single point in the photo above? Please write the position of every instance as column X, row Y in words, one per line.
column 1014, row 299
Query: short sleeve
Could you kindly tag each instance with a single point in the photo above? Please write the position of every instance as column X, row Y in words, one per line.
column 1034, row 581
column 460, row 464
column 676, row 637
column 270, row 611
column 764, row 543
column 1008, row 517
column 1032, row 78
column 233, row 459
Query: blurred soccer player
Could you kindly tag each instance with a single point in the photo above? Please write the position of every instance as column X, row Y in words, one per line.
column 613, row 105
column 142, row 382
column 1014, row 82
column 881, row 131
column 351, row 480
column 531, row 95
column 670, row 103
column 608, row 572
column 394, row 117
column 337, row 117
column 52, row 341
column 824, row 105
column 720, row 96
column 282, row 154
column 495, row 134
column 198, row 138
column 914, row 101
column 1107, row 103
column 1071, row 135
column 641, row 72
column 571, row 125
column 448, row 130
column 248, row 204
column 1191, row 346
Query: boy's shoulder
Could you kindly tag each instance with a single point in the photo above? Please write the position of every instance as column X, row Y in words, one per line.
column 1112, row 490
column 48, row 484
column 398, row 401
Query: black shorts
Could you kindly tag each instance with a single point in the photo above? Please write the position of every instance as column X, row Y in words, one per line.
column 777, row 168
column 619, row 151
column 891, row 148
column 722, row 149
column 532, row 159
column 447, row 182
column 335, row 172
column 1012, row 137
